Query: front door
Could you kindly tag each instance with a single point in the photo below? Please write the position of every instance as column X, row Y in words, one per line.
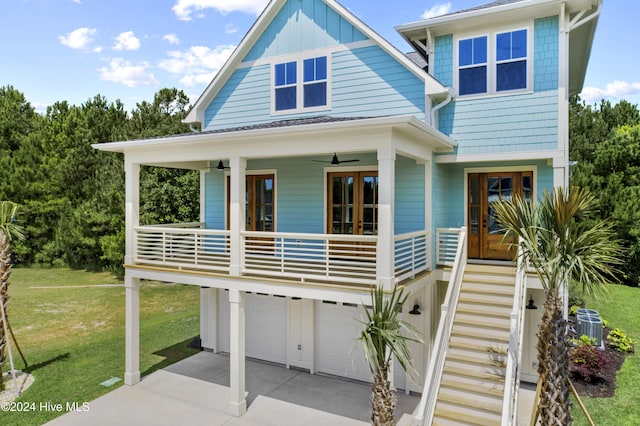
column 486, row 239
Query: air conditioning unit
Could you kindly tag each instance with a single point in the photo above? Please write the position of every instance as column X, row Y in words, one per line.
column 591, row 326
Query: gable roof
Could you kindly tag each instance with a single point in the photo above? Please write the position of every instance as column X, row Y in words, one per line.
column 432, row 86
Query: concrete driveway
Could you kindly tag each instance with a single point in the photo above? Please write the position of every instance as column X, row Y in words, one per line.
column 196, row 390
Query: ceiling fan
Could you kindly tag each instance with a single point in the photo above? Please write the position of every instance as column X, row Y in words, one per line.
column 335, row 162
column 221, row 166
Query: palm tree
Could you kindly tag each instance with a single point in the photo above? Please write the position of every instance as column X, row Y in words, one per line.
column 383, row 337
column 8, row 230
column 563, row 242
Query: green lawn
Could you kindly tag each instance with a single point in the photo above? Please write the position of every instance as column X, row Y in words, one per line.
column 73, row 338
column 620, row 308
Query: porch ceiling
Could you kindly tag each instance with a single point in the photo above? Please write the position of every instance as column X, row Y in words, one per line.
column 407, row 134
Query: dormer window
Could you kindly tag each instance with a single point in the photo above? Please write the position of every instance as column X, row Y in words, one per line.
column 494, row 63
column 300, row 85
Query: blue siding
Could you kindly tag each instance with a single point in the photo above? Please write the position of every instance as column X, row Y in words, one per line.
column 303, row 25
column 365, row 82
column 546, row 54
column 300, row 194
column 443, row 60
column 515, row 123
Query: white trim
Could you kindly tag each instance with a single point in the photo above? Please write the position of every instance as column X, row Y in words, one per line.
column 499, row 156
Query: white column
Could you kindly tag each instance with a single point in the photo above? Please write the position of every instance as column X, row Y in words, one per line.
column 209, row 318
column 386, row 205
column 428, row 211
column 132, row 330
column 237, row 395
column 561, row 172
column 237, row 212
column 132, row 207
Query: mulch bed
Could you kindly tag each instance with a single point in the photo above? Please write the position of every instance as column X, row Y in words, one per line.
column 604, row 385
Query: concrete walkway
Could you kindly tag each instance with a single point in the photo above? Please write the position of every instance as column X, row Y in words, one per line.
column 196, row 391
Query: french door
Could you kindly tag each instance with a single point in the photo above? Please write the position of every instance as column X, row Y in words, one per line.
column 486, row 239
column 259, row 202
column 352, row 203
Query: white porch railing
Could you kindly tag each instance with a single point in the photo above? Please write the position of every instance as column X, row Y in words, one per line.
column 182, row 246
column 514, row 356
column 338, row 258
column 446, row 245
column 426, row 408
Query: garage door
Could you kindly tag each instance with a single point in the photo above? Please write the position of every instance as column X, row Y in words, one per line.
column 338, row 351
column 265, row 325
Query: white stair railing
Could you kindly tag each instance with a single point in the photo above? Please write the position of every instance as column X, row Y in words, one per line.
column 514, row 356
column 426, row 408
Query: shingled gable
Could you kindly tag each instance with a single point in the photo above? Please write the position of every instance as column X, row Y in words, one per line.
column 432, row 86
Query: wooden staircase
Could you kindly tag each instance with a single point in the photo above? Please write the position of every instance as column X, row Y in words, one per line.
column 472, row 384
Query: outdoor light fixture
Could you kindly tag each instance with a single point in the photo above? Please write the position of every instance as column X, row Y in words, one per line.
column 221, row 167
column 416, row 308
column 532, row 304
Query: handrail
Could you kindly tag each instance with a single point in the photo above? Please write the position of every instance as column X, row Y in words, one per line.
column 426, row 408
column 514, row 355
column 446, row 245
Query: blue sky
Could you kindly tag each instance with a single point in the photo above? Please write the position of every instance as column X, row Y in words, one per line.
column 54, row 50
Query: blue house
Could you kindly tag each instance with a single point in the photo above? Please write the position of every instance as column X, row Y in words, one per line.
column 331, row 162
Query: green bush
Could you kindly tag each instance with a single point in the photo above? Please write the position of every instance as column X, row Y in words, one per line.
column 585, row 340
column 620, row 341
column 573, row 309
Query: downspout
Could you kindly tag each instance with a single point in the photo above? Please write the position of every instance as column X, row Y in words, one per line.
column 193, row 129
column 439, row 106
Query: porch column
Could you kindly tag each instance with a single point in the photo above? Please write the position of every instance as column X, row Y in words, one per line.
column 237, row 394
column 132, row 207
column 132, row 330
column 237, row 212
column 209, row 318
column 386, row 204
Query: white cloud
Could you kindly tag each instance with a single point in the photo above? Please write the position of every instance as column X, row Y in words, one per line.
column 79, row 38
column 124, row 72
column 230, row 29
column 127, row 41
column 184, row 8
column 196, row 65
column 616, row 89
column 437, row 10
column 171, row 38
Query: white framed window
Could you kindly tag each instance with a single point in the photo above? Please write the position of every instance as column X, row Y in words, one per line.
column 301, row 85
column 494, row 63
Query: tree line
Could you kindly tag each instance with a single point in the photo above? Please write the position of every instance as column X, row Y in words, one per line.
column 72, row 196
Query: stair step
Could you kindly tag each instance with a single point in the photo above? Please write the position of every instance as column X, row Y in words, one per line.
column 480, row 333
column 488, row 288
column 455, row 414
column 498, row 280
column 472, row 384
column 490, row 269
column 499, row 323
column 480, row 345
column 488, row 403
column 492, row 374
column 489, row 359
column 484, row 310
column 488, row 299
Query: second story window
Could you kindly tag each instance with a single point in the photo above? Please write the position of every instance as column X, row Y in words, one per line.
column 472, row 61
column 300, row 85
column 511, row 60
column 493, row 63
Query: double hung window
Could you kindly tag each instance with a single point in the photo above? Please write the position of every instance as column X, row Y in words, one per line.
column 300, row 85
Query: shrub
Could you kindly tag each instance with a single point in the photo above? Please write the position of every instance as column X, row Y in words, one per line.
column 585, row 340
column 588, row 361
column 573, row 309
column 620, row 341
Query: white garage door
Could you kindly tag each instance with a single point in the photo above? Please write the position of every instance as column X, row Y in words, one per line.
column 338, row 351
column 266, row 326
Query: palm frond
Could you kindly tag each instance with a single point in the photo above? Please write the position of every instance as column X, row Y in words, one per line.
column 8, row 221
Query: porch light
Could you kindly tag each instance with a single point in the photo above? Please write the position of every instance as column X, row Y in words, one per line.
column 532, row 304
column 416, row 308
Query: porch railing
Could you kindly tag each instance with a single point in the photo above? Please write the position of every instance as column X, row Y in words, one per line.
column 446, row 245
column 302, row 256
column 426, row 408
column 516, row 340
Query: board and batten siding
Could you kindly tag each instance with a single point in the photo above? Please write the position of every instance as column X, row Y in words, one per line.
column 303, row 25
column 300, row 193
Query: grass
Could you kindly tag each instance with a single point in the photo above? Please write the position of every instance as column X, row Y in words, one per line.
column 620, row 308
column 73, row 337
